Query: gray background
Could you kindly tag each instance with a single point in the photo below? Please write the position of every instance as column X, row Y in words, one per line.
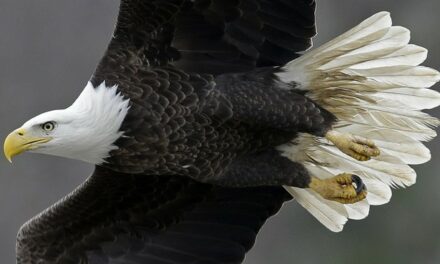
column 48, row 50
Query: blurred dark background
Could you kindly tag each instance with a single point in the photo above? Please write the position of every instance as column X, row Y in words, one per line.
column 48, row 50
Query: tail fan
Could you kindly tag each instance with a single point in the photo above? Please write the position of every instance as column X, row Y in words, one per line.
column 370, row 79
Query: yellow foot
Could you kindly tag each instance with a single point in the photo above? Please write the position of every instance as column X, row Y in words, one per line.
column 357, row 147
column 344, row 188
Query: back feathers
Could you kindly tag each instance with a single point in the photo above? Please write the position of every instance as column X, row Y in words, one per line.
column 370, row 79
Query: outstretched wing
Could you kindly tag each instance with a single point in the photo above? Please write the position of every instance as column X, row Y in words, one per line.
column 115, row 218
column 207, row 36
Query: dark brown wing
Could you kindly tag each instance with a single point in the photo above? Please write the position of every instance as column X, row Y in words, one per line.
column 121, row 218
column 207, row 36
column 218, row 36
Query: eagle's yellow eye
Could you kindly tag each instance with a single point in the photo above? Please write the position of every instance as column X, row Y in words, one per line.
column 48, row 126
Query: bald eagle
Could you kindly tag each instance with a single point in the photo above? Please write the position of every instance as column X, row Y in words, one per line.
column 202, row 119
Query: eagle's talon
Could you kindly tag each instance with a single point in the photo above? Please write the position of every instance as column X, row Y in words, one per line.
column 357, row 147
column 358, row 184
column 344, row 188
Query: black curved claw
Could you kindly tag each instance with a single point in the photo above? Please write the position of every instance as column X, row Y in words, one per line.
column 360, row 186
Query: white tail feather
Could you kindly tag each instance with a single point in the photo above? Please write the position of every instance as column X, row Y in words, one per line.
column 410, row 55
column 358, row 210
column 370, row 79
column 414, row 99
column 331, row 214
column 378, row 192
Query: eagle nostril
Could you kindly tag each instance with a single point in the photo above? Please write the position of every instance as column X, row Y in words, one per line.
column 20, row 133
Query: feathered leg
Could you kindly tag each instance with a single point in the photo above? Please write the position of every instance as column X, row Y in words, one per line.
column 270, row 168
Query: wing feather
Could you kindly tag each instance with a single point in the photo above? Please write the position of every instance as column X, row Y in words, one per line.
column 121, row 218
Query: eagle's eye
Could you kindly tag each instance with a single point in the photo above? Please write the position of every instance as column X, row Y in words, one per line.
column 48, row 126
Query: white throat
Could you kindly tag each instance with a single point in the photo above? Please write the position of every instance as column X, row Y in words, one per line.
column 88, row 129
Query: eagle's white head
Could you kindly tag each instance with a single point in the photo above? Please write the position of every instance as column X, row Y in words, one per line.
column 84, row 131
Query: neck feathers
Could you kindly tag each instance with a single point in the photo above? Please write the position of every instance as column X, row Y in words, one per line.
column 101, row 110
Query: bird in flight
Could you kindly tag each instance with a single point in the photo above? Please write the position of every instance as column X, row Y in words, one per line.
column 203, row 117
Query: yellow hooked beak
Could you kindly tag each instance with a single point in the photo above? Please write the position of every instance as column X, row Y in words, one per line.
column 18, row 142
